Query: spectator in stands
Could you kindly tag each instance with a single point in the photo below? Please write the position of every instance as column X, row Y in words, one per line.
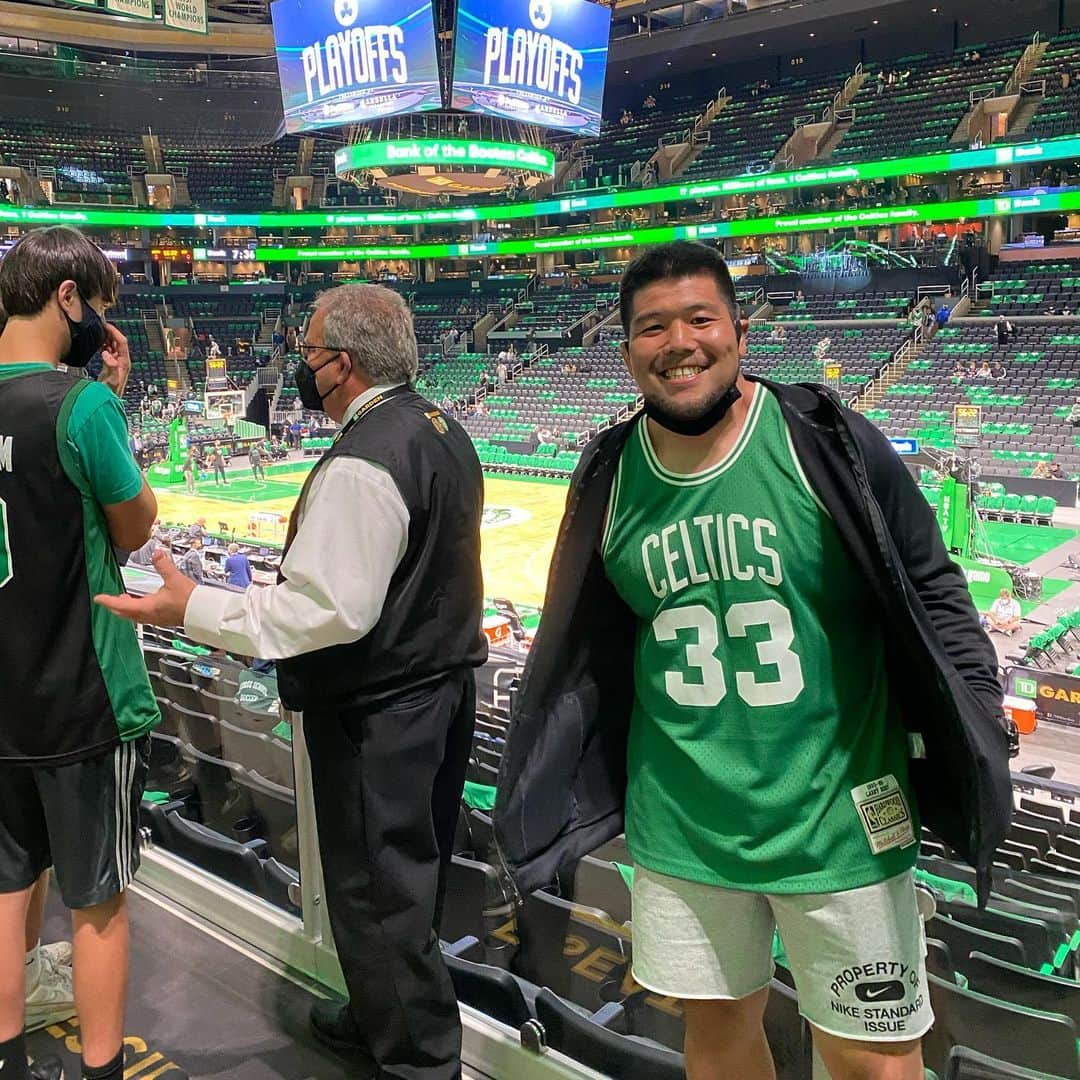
column 612, row 701
column 997, row 370
column 237, row 567
column 381, row 664
column 1005, row 614
column 961, row 371
column 1066, row 311
column 777, row 333
column 1041, row 471
column 626, row 118
column 501, row 370
column 255, row 457
column 1056, row 472
column 76, row 706
column 188, row 469
column 1004, row 330
column 213, row 348
column 197, row 529
column 943, row 315
column 191, row 562
column 880, row 82
column 649, row 102
column 1065, row 79
column 984, row 371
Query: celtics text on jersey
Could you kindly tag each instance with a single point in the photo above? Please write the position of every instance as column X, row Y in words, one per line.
column 763, row 752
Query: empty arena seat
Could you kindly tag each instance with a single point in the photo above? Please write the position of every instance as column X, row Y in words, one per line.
column 600, row 1048
column 967, row 1064
column 598, row 884
column 963, row 939
column 1022, row 986
column 492, row 990
column 274, row 813
column 551, row 931
column 1027, row 1037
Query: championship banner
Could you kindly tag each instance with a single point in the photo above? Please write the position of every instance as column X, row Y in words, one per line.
column 187, row 15
column 135, row 9
column 537, row 61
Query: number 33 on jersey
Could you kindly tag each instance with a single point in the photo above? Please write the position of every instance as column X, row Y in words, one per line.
column 761, row 696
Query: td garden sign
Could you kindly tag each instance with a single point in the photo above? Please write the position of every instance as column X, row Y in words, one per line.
column 1056, row 695
column 448, row 153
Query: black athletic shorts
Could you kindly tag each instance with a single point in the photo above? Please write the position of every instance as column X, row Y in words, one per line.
column 81, row 819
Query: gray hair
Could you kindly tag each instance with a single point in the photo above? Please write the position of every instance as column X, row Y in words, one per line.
column 374, row 326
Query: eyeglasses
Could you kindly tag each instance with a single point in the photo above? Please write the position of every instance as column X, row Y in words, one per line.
column 305, row 347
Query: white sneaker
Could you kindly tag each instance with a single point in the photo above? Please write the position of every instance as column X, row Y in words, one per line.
column 60, row 952
column 52, row 998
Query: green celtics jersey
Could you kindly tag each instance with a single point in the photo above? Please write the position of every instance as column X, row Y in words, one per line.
column 762, row 751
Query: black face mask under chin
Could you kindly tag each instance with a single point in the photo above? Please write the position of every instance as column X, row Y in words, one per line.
column 697, row 425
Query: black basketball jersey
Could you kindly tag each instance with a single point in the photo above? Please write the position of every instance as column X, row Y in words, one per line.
column 74, row 682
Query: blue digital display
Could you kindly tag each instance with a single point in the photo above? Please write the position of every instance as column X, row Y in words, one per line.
column 346, row 61
column 905, row 447
column 538, row 61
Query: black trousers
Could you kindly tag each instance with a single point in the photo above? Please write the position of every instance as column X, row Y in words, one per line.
column 387, row 786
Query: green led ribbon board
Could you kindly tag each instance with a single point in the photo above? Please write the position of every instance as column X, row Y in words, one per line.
column 928, row 164
column 1002, row 205
column 444, row 153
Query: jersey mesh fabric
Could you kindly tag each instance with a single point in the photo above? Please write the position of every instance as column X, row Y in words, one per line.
column 761, row 693
column 83, row 428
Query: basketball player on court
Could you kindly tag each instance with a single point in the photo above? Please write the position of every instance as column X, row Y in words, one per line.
column 809, row 681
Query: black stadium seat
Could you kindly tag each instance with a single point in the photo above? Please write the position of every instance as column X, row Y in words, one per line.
column 1021, row 985
column 1042, row 1040
column 606, row 1051
column 967, row 1064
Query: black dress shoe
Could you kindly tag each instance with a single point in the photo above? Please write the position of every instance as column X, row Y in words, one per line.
column 333, row 1025
column 47, row 1068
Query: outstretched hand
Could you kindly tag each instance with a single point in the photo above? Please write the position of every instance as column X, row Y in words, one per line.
column 166, row 607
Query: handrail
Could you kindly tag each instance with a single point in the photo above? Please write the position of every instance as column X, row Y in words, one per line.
column 981, row 93
column 1034, row 86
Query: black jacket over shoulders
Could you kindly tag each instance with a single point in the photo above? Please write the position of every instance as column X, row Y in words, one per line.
column 562, row 782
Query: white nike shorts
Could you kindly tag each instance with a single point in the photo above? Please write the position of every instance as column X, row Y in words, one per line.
column 858, row 957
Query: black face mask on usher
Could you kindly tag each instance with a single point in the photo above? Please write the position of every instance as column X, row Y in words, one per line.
column 306, row 383
column 87, row 336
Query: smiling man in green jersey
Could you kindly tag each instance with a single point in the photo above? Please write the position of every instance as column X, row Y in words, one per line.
column 769, row 761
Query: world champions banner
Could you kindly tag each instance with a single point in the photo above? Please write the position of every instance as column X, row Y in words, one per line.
column 538, row 61
column 346, row 61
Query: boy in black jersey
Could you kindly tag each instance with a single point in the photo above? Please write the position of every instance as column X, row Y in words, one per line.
column 76, row 705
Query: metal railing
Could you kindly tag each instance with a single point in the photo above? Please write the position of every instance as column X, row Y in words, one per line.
column 142, row 72
column 981, row 93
